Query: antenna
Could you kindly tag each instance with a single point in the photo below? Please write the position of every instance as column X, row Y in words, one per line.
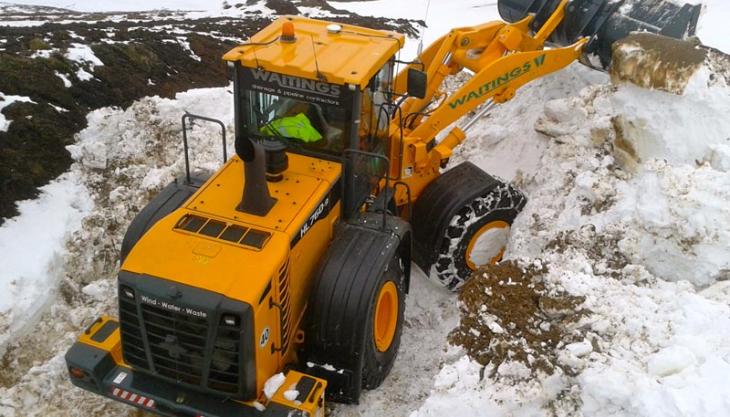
column 423, row 32
column 320, row 76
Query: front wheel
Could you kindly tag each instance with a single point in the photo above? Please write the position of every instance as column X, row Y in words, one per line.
column 461, row 222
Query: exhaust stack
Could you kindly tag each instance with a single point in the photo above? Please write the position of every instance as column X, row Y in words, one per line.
column 605, row 21
column 256, row 198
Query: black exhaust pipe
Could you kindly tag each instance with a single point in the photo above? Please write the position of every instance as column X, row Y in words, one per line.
column 606, row 21
column 256, row 198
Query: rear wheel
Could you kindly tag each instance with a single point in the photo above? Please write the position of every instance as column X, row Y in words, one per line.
column 356, row 309
column 385, row 325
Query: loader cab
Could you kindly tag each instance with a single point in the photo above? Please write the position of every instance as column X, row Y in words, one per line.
column 324, row 91
column 312, row 117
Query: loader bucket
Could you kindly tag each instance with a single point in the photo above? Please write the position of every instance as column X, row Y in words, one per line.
column 606, row 21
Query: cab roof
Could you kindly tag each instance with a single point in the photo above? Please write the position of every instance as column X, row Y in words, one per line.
column 352, row 55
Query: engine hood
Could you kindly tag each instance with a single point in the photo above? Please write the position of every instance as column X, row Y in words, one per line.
column 210, row 245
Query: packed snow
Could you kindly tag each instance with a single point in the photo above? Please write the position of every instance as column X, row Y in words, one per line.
column 33, row 245
column 657, row 337
column 83, row 54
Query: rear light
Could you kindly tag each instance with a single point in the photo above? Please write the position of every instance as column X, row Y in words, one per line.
column 77, row 373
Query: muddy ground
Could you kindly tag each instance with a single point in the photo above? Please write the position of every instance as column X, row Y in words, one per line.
column 144, row 54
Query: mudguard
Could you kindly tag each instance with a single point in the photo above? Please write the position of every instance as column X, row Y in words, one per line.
column 168, row 200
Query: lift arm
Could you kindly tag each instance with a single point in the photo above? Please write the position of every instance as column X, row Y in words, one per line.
column 502, row 56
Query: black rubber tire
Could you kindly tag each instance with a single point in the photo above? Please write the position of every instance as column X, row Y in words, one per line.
column 339, row 329
column 450, row 212
column 451, row 269
column 377, row 365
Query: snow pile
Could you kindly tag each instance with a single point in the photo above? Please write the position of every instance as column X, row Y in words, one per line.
column 33, row 245
column 125, row 157
column 7, row 100
column 273, row 384
column 83, row 54
column 703, row 136
column 642, row 235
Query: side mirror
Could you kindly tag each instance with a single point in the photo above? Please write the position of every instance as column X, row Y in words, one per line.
column 417, row 83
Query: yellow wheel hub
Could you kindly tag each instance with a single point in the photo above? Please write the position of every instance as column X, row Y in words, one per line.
column 487, row 245
column 386, row 316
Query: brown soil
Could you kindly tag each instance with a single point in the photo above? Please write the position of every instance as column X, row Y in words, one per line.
column 653, row 61
column 507, row 313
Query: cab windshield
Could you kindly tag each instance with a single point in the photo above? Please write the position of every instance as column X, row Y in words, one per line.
column 316, row 127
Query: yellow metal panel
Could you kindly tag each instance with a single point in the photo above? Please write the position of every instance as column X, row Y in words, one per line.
column 112, row 344
column 220, row 196
column 351, row 56
column 238, row 272
column 314, row 400
column 266, row 319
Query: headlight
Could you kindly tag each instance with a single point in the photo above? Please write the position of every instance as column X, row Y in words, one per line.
column 230, row 320
column 128, row 292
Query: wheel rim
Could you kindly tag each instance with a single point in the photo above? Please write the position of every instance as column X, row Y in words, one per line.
column 386, row 316
column 487, row 245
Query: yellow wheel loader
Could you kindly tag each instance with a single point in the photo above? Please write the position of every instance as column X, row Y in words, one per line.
column 280, row 280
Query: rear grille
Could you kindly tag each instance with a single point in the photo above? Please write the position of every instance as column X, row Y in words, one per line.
column 285, row 306
column 178, row 346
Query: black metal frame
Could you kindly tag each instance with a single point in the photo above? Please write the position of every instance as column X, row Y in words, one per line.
column 351, row 204
column 190, row 116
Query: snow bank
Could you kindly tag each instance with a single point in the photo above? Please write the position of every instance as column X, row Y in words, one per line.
column 645, row 239
column 33, row 244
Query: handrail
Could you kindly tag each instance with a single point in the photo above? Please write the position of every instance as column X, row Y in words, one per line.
column 191, row 116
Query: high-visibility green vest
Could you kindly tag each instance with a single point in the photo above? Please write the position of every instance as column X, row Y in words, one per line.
column 297, row 127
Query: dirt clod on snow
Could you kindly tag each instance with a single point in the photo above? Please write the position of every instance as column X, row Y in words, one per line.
column 508, row 314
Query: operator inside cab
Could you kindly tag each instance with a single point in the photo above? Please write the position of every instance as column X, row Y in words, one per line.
column 314, row 116
column 303, row 124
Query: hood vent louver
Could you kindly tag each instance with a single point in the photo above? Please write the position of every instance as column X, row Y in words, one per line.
column 232, row 233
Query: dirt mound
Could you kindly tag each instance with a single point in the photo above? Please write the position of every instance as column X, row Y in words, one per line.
column 509, row 314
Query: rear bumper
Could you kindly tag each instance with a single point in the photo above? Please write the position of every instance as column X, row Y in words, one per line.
column 92, row 366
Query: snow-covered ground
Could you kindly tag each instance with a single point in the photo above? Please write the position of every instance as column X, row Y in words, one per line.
column 629, row 207
column 32, row 246
column 647, row 243
column 5, row 101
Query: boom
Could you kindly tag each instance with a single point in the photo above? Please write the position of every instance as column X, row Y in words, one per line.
column 503, row 57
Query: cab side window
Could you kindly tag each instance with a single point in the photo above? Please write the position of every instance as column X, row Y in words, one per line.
column 375, row 116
